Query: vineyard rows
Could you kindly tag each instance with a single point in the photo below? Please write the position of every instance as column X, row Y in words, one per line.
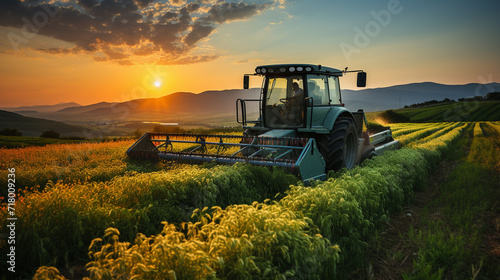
column 209, row 222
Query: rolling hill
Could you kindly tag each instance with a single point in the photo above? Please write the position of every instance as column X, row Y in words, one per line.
column 82, row 109
column 179, row 102
column 41, row 108
column 449, row 112
column 183, row 105
column 379, row 99
column 455, row 111
column 35, row 127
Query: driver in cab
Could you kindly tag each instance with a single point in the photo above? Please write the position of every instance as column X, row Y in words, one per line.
column 295, row 104
column 296, row 90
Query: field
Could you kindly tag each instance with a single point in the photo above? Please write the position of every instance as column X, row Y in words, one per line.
column 87, row 210
column 472, row 111
column 11, row 142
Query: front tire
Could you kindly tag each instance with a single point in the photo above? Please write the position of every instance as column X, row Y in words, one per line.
column 340, row 147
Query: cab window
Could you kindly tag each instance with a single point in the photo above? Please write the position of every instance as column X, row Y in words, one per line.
column 318, row 90
column 333, row 86
column 284, row 103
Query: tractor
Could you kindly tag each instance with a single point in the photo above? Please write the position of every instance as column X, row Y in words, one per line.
column 302, row 125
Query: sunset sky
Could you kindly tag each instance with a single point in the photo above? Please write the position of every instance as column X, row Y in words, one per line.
column 88, row 51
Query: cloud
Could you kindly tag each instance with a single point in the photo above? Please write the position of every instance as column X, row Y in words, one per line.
column 226, row 12
column 188, row 59
column 60, row 50
column 247, row 60
column 127, row 31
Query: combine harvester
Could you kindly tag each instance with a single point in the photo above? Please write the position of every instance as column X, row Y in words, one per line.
column 302, row 126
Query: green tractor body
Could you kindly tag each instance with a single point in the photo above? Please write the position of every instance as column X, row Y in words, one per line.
column 302, row 125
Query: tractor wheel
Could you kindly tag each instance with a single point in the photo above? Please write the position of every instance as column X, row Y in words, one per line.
column 340, row 147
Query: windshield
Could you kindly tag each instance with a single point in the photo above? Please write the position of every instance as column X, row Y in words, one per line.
column 284, row 99
column 279, row 88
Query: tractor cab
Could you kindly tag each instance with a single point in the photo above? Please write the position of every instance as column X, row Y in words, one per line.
column 297, row 96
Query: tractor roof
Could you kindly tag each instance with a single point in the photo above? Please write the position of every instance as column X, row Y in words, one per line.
column 296, row 69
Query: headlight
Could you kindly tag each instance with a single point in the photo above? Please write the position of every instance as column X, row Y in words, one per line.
column 300, row 68
column 282, row 69
column 264, row 71
column 291, row 69
column 270, row 70
column 308, row 69
column 257, row 70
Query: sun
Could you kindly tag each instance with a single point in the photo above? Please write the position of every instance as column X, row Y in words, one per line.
column 157, row 84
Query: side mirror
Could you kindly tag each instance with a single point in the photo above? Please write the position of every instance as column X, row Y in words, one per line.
column 361, row 79
column 246, row 82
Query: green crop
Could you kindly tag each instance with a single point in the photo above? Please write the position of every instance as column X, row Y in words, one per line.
column 153, row 226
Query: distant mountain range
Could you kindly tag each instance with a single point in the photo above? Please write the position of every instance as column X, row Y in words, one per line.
column 35, row 127
column 208, row 103
column 41, row 108
column 176, row 103
column 216, row 107
column 380, row 99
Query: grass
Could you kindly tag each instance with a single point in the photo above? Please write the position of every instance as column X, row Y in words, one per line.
column 446, row 233
column 451, row 245
column 11, row 142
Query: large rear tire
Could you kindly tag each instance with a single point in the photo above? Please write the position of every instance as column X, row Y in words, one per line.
column 340, row 147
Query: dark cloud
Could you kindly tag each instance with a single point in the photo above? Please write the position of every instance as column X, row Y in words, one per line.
column 88, row 3
column 121, row 30
column 226, row 12
column 168, row 16
column 193, row 7
column 143, row 3
column 198, row 32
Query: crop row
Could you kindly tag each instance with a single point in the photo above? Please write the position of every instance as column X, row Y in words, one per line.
column 403, row 128
column 421, row 133
column 481, row 149
column 440, row 139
